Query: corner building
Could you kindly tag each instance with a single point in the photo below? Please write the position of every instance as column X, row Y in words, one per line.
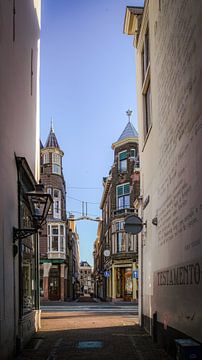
column 53, row 244
column 121, row 188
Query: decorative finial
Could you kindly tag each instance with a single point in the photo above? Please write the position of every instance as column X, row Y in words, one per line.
column 52, row 129
column 129, row 113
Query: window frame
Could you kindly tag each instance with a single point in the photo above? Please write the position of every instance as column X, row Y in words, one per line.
column 146, row 85
column 57, row 204
column 61, row 237
column 122, row 161
column 123, row 196
column 56, row 164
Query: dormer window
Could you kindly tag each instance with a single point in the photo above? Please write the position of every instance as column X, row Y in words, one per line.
column 56, row 164
column 122, row 163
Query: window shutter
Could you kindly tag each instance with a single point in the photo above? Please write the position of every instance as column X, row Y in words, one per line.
column 123, row 155
column 126, row 188
column 119, row 190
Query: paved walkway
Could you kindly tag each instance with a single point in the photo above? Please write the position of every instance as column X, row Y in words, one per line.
column 84, row 333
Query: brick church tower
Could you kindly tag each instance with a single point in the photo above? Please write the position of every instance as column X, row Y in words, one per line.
column 53, row 239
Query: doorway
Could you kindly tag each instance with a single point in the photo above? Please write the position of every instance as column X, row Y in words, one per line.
column 54, row 284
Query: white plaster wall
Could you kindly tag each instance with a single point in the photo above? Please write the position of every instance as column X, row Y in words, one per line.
column 19, row 133
column 171, row 169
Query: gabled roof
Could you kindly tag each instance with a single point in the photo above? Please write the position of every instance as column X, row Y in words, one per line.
column 128, row 132
column 52, row 140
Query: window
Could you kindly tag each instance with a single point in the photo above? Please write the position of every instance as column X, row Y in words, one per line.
column 56, row 238
column 46, row 158
column 56, row 158
column 57, row 204
column 122, row 164
column 123, row 196
column 146, row 90
column 133, row 153
column 49, row 191
column 31, row 73
column 147, row 109
column 120, row 237
column 145, row 56
column 14, row 13
column 56, row 164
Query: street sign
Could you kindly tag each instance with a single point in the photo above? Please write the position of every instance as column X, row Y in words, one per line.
column 135, row 274
column 133, row 224
column 106, row 273
column 107, row 253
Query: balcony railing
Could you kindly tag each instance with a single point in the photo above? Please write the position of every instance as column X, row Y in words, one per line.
column 126, row 211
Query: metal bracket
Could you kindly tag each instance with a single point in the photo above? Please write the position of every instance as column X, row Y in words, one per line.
column 23, row 233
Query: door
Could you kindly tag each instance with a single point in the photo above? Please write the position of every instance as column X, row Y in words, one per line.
column 54, row 284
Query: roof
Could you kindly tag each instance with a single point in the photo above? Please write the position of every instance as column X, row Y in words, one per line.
column 85, row 263
column 52, row 140
column 128, row 132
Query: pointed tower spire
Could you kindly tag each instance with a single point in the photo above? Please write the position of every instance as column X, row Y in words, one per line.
column 52, row 140
column 128, row 134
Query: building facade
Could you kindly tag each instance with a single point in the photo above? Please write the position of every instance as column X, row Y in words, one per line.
column 74, row 259
column 19, row 154
column 121, row 188
column 86, row 278
column 54, row 250
column 98, row 257
column 167, row 37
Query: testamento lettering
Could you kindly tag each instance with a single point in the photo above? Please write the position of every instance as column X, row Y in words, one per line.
column 180, row 275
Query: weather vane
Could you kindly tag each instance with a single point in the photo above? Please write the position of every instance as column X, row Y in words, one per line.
column 129, row 113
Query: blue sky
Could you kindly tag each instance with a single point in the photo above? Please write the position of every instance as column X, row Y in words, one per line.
column 87, row 84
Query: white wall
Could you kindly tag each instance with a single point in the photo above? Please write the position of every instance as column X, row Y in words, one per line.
column 171, row 169
column 19, row 133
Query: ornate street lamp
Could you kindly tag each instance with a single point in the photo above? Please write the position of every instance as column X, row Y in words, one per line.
column 38, row 204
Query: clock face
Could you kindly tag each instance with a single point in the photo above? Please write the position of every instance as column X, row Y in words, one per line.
column 107, row 253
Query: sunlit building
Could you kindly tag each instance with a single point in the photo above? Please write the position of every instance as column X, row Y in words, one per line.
column 86, row 278
column 120, row 250
column 167, row 38
column 53, row 239
column 19, row 154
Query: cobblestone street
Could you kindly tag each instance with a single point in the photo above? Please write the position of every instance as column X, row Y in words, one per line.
column 91, row 331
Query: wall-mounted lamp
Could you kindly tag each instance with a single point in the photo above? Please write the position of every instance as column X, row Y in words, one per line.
column 39, row 204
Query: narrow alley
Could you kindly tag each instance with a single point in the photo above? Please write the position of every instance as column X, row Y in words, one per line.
column 91, row 330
